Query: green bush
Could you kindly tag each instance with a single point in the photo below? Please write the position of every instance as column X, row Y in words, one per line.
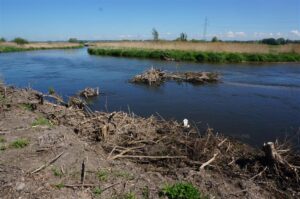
column 234, row 58
column 181, row 190
column 201, row 57
column 2, row 39
column 20, row 41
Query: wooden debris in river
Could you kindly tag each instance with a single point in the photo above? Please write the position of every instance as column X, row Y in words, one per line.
column 156, row 77
column 89, row 92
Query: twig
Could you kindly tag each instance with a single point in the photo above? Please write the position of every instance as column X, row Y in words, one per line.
column 47, row 164
column 152, row 157
column 259, row 174
column 209, row 161
column 220, row 144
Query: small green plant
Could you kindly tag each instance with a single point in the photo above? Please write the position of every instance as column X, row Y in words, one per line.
column 59, row 186
column 97, row 191
column 146, row 192
column 2, row 139
column 102, row 175
column 2, row 147
column 28, row 107
column 57, row 172
column 181, row 190
column 20, row 41
column 19, row 143
column 129, row 195
column 51, row 91
column 41, row 122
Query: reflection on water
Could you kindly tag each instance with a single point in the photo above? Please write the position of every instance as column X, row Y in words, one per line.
column 255, row 103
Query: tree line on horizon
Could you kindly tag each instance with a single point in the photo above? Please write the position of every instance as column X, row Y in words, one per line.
column 182, row 37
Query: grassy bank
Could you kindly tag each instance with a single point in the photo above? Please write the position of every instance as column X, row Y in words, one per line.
column 204, row 46
column 12, row 47
column 195, row 56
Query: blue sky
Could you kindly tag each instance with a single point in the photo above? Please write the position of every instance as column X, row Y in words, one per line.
column 134, row 19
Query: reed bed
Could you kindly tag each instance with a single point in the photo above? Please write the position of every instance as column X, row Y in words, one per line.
column 205, row 46
column 194, row 56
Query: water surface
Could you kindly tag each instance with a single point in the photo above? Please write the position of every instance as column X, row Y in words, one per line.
column 255, row 103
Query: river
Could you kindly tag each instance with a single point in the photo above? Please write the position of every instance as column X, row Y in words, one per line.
column 253, row 102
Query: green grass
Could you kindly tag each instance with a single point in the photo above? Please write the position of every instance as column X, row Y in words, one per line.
column 181, row 190
column 195, row 56
column 97, row 191
column 102, row 175
column 57, row 172
column 51, row 91
column 41, row 121
column 2, row 139
column 19, row 143
column 27, row 107
column 2, row 147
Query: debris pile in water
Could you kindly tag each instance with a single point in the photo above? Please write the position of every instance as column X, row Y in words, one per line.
column 155, row 77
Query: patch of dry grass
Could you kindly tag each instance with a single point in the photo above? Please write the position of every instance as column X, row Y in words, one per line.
column 40, row 45
column 211, row 47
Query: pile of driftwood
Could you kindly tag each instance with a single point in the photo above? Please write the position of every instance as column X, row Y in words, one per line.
column 89, row 92
column 156, row 77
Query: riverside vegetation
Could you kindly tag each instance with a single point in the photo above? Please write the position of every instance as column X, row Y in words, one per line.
column 194, row 56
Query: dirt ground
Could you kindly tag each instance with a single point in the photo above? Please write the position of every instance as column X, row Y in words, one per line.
column 122, row 153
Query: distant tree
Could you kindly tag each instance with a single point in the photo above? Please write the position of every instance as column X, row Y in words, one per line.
column 271, row 41
column 20, row 41
column 214, row 39
column 2, row 39
column 183, row 37
column 281, row 41
column 155, row 34
column 73, row 40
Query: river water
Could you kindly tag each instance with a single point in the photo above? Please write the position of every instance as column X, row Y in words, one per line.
column 254, row 102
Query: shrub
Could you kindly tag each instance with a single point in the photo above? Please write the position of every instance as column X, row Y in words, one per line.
column 51, row 91
column 2, row 39
column 234, row 57
column 20, row 41
column 19, row 143
column 214, row 39
column 181, row 190
column 73, row 40
column 215, row 57
column 201, row 57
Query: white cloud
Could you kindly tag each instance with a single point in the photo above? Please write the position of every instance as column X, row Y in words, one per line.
column 231, row 34
column 296, row 33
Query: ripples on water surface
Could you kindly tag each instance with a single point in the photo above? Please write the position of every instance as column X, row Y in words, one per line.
column 255, row 103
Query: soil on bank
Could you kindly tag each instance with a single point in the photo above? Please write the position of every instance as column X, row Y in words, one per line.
column 45, row 147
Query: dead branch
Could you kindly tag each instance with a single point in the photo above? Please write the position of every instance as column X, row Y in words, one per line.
column 209, row 161
column 47, row 164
